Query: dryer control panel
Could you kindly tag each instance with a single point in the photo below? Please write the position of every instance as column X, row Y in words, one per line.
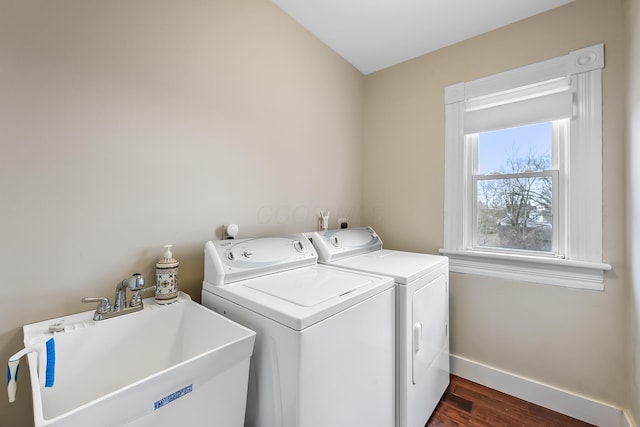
column 333, row 245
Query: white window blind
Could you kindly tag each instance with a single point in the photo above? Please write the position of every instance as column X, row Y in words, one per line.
column 545, row 101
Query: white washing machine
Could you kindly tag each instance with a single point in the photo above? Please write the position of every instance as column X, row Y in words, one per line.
column 422, row 284
column 324, row 353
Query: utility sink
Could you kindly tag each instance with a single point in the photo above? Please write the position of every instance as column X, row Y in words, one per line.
column 166, row 365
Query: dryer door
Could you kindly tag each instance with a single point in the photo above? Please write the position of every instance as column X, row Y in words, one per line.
column 430, row 318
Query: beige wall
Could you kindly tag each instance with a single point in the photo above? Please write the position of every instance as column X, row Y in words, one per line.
column 126, row 125
column 572, row 339
column 633, row 208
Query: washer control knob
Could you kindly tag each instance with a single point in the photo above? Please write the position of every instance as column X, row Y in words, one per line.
column 298, row 246
column 335, row 241
column 248, row 253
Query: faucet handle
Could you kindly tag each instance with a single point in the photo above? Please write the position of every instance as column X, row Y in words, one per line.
column 136, row 299
column 104, row 305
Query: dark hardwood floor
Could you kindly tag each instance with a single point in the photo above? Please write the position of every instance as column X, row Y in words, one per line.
column 466, row 403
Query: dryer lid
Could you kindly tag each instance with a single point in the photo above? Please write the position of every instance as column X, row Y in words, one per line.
column 333, row 245
column 404, row 267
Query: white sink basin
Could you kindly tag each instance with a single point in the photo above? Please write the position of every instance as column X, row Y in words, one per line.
column 177, row 364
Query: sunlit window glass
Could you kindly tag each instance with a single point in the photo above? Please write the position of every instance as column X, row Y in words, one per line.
column 514, row 189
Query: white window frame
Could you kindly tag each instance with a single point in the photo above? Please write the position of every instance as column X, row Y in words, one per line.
column 579, row 264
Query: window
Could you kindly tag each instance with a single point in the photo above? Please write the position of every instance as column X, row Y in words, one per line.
column 514, row 186
column 523, row 173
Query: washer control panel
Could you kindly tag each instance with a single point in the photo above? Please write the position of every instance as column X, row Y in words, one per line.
column 228, row 261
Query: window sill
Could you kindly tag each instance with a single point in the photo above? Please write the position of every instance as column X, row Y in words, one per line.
column 548, row 271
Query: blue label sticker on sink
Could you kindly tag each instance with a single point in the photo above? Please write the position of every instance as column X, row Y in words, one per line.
column 173, row 396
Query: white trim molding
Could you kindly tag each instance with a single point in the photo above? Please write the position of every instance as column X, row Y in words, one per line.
column 545, row 395
column 544, row 270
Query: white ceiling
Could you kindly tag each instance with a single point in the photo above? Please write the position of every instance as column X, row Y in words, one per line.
column 375, row 34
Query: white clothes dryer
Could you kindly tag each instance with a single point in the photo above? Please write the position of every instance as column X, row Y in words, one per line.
column 324, row 353
column 422, row 328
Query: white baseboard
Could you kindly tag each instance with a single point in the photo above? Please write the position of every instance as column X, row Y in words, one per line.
column 565, row 402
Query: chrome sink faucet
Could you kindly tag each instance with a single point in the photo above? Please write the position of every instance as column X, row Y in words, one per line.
column 105, row 310
column 135, row 283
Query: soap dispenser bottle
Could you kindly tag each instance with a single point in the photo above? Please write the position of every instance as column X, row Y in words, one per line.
column 167, row 277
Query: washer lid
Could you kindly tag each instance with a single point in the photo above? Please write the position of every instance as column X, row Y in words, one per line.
column 310, row 287
column 304, row 296
column 404, row 267
column 333, row 245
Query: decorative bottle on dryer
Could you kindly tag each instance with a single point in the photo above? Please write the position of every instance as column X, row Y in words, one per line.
column 167, row 277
